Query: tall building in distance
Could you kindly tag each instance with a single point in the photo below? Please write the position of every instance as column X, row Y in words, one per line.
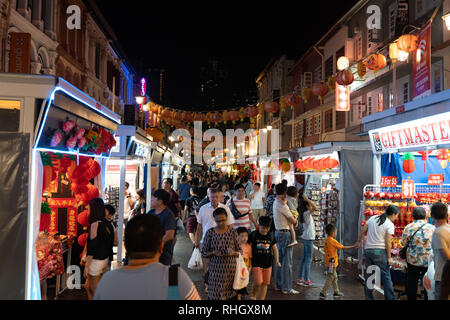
column 244, row 99
column 213, row 82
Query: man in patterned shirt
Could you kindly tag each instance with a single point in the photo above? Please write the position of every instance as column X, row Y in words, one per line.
column 419, row 249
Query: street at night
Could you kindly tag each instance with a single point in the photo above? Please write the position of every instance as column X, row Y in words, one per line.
column 245, row 153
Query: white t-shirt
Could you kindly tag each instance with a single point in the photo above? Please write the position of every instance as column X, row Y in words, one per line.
column 206, row 218
column 309, row 230
column 127, row 208
column 440, row 240
column 257, row 201
column 376, row 235
column 281, row 213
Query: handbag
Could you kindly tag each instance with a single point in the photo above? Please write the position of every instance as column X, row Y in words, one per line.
column 405, row 248
column 241, row 275
column 236, row 213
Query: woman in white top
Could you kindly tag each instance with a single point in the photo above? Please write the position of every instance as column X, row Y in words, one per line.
column 378, row 250
column 308, row 237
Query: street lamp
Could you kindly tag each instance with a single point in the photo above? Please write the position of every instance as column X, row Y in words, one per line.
column 140, row 100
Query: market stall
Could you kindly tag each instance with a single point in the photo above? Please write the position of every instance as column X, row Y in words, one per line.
column 335, row 174
column 156, row 167
column 410, row 164
column 68, row 136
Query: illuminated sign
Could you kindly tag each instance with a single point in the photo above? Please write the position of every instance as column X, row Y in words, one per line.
column 428, row 131
column 139, row 150
column 342, row 98
column 143, row 87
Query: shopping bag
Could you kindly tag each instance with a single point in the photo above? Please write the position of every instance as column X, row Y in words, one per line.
column 195, row 263
column 241, row 276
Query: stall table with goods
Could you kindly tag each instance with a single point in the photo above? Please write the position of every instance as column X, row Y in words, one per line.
column 408, row 180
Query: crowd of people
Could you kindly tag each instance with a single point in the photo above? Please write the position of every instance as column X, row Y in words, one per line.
column 227, row 217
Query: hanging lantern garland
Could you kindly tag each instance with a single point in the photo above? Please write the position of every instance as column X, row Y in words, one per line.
column 320, row 89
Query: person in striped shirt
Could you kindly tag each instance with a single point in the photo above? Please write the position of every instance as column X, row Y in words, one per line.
column 243, row 206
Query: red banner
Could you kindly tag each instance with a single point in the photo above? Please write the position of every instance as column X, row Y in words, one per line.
column 72, row 222
column 20, row 53
column 53, row 228
column 388, row 182
column 422, row 64
column 435, row 179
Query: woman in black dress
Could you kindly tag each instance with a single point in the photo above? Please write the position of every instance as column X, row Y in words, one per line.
column 221, row 246
column 140, row 206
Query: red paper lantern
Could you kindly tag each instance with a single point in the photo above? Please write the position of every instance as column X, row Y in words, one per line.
column 251, row 112
column 408, row 43
column 292, row 100
column 271, row 107
column 320, row 89
column 166, row 114
column 345, row 78
column 82, row 239
column 376, row 61
column 233, row 115
column 333, row 163
column 83, row 218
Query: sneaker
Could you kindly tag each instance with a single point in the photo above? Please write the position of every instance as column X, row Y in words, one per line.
column 309, row 283
column 300, row 282
column 292, row 244
column 338, row 295
column 321, row 296
column 292, row 291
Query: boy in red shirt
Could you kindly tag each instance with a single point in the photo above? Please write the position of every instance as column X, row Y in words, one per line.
column 331, row 260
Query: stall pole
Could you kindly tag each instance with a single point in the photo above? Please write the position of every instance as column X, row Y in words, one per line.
column 149, row 183
column 341, row 205
column 121, row 213
column 376, row 168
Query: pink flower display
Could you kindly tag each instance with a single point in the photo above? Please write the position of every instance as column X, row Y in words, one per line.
column 81, row 143
column 71, row 143
column 57, row 137
column 80, row 133
column 68, row 125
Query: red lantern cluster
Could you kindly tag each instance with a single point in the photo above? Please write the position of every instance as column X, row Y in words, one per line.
column 87, row 170
column 316, row 165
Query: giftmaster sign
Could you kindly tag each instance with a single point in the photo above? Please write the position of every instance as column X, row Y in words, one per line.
column 428, row 131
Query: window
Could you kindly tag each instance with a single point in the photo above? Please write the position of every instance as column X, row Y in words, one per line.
column 340, row 120
column 329, row 121
column 317, row 75
column 318, row 124
column 298, row 130
column 360, row 110
column 369, row 105
column 405, row 92
column 392, row 19
column 358, row 47
column 9, row 115
column 97, row 62
column 391, row 98
column 380, row 101
column 309, row 127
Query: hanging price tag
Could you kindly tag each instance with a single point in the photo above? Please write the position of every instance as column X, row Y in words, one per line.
column 435, row 179
column 388, row 182
column 408, row 189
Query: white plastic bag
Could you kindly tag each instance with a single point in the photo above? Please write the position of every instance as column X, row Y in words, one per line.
column 241, row 276
column 196, row 263
column 428, row 279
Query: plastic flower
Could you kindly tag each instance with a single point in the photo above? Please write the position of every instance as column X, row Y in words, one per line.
column 68, row 126
column 81, row 143
column 56, row 139
column 71, row 143
column 80, row 133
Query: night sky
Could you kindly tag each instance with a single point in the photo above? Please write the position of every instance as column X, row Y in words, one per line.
column 180, row 37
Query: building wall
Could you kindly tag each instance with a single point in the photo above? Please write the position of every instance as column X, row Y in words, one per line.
column 36, row 17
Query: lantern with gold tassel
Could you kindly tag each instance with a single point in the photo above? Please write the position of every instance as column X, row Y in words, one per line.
column 225, row 116
column 362, row 70
column 305, row 94
column 242, row 114
column 283, row 104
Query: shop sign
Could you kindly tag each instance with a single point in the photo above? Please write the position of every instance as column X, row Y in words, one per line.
column 20, row 52
column 435, row 179
column 428, row 131
column 408, row 188
column 388, row 182
column 342, row 98
column 422, row 64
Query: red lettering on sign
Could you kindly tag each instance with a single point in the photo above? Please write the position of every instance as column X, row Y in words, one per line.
column 400, row 109
column 444, row 134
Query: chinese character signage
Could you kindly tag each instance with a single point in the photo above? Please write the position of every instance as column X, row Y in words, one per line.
column 422, row 64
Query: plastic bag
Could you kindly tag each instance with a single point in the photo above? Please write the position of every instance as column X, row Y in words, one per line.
column 241, row 276
column 196, row 263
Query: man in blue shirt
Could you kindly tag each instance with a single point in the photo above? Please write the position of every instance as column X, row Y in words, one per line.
column 158, row 207
column 183, row 191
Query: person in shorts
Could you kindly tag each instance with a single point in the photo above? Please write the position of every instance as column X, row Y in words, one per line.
column 191, row 213
column 264, row 248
